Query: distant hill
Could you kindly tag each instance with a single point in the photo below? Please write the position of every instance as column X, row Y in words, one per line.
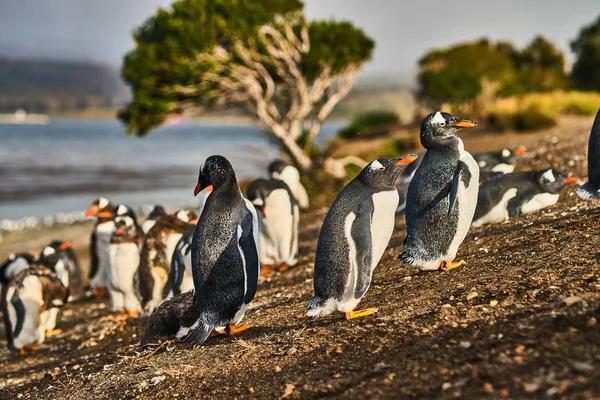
column 56, row 86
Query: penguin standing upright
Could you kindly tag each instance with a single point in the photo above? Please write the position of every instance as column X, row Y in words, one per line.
column 152, row 276
column 591, row 189
column 353, row 238
column 157, row 212
column 101, row 208
column 224, row 254
column 511, row 195
column 441, row 197
column 25, row 301
column 278, row 222
column 67, row 260
column 124, row 259
column 283, row 171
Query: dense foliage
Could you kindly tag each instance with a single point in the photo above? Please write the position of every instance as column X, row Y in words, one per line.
column 361, row 124
column 586, row 69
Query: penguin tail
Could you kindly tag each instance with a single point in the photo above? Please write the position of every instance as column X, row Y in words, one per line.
column 198, row 333
column 319, row 307
column 406, row 258
column 587, row 192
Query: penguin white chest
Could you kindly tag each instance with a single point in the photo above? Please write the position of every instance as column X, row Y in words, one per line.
column 504, row 168
column 538, row 202
column 499, row 212
column 147, row 225
column 382, row 223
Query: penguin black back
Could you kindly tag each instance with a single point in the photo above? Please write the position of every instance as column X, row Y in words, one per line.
column 591, row 190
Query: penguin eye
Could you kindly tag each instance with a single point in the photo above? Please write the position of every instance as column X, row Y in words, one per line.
column 380, row 168
column 443, row 123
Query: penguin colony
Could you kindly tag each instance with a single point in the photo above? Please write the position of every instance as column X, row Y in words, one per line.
column 195, row 273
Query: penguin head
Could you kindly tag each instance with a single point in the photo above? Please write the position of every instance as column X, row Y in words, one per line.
column 51, row 253
column 125, row 226
column 553, row 181
column 216, row 171
column 439, row 128
column 187, row 216
column 276, row 167
column 122, row 210
column 382, row 173
column 509, row 156
column 101, row 207
column 157, row 212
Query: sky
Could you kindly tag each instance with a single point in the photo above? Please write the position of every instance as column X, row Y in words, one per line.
column 100, row 30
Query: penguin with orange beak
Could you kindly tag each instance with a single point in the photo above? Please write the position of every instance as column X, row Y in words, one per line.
column 103, row 210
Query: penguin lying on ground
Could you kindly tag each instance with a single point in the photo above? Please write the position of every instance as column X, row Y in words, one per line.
column 278, row 223
column 172, row 316
column 591, row 189
column 155, row 258
column 354, row 236
column 25, row 302
column 102, row 209
column 157, row 212
column 283, row 171
column 441, row 197
column 511, row 195
column 224, row 254
column 124, row 259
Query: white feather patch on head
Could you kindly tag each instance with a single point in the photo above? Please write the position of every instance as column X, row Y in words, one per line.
column 258, row 202
column 122, row 210
column 549, row 176
column 438, row 119
column 505, row 153
column 48, row 250
column 103, row 202
column 482, row 164
column 376, row 165
column 57, row 302
column 183, row 215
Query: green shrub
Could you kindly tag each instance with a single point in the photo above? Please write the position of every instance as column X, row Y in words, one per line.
column 525, row 120
column 397, row 147
column 362, row 123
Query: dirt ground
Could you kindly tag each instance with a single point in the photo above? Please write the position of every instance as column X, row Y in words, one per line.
column 519, row 320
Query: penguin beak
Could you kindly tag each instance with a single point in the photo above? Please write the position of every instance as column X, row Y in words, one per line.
column 65, row 245
column 570, row 180
column 520, row 150
column 464, row 123
column 407, row 160
column 105, row 214
column 200, row 187
column 120, row 230
column 93, row 210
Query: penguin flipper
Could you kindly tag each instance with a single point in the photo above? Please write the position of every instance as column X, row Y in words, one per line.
column 198, row 334
column 361, row 235
column 462, row 174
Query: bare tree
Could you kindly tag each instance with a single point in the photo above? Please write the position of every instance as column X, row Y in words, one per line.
column 271, row 86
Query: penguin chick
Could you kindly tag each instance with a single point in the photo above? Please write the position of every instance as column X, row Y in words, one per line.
column 157, row 212
column 591, row 189
column 278, row 223
column 224, row 254
column 441, row 196
column 173, row 315
column 283, row 171
column 511, row 195
column 354, row 236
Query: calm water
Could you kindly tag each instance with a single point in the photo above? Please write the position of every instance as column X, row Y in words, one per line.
column 63, row 166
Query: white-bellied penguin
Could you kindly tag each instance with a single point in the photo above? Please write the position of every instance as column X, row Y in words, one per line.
column 442, row 195
column 353, row 238
column 279, row 215
column 15, row 263
column 25, row 302
column 225, row 258
column 591, row 189
column 102, row 209
column 502, row 161
column 279, row 169
column 157, row 212
column 511, row 195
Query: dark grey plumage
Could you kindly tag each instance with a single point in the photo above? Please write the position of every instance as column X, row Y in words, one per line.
column 591, row 189
column 178, row 261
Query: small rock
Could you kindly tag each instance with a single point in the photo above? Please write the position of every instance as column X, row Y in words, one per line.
column 582, row 366
column 446, row 386
column 157, row 379
column 488, row 387
column 277, row 368
column 569, row 301
column 592, row 322
column 472, row 295
column 531, row 387
column 291, row 351
column 465, row 344
column 380, row 365
column 520, row 349
column 289, row 389
column 493, row 303
column 251, row 390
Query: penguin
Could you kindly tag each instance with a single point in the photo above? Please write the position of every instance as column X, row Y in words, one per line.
column 13, row 265
column 25, row 302
column 353, row 238
column 441, row 197
column 124, row 259
column 102, row 209
column 67, row 265
column 157, row 212
column 176, row 314
column 180, row 276
column 511, row 195
column 279, row 169
column 502, row 161
column 225, row 256
column 591, row 189
column 279, row 216
column 156, row 255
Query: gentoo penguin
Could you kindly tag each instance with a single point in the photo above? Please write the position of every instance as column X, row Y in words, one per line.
column 511, row 195
column 14, row 264
column 155, row 259
column 25, row 302
column 102, row 209
column 157, row 212
column 224, row 254
column 180, row 277
column 591, row 189
column 278, row 222
column 67, row 260
column 441, row 197
column 502, row 161
column 124, row 259
column 281, row 170
column 354, row 236
column 172, row 316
